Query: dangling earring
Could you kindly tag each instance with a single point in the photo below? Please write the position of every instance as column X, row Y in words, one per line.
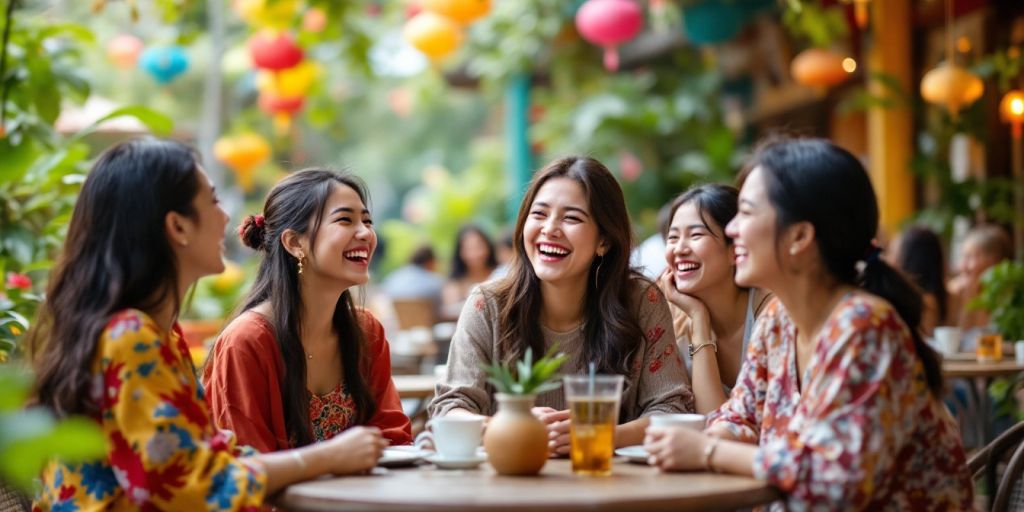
column 597, row 271
column 300, row 264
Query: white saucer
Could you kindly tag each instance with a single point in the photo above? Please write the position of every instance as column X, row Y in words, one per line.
column 398, row 456
column 635, row 454
column 446, row 463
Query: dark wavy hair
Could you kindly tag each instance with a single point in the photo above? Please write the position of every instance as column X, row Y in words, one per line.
column 296, row 203
column 116, row 256
column 612, row 328
column 813, row 180
column 920, row 258
column 459, row 268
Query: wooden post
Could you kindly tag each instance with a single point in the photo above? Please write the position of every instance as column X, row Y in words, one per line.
column 890, row 130
column 518, row 158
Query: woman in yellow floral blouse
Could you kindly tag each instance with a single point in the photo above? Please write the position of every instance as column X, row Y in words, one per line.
column 146, row 226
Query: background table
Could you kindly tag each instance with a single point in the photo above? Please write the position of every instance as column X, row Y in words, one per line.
column 415, row 386
column 980, row 376
column 631, row 487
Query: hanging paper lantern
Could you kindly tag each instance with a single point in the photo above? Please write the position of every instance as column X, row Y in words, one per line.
column 434, row 35
column 272, row 104
column 267, row 13
column 164, row 63
column 609, row 23
column 462, row 11
column 242, row 154
column 315, row 20
column 124, row 50
column 951, row 86
column 289, row 83
column 818, row 67
column 713, row 22
column 274, row 51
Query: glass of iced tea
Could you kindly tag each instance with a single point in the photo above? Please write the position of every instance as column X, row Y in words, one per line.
column 990, row 346
column 594, row 412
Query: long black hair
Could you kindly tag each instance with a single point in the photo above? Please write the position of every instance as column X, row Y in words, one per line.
column 116, row 256
column 459, row 267
column 920, row 258
column 813, row 180
column 296, row 203
column 612, row 327
column 719, row 202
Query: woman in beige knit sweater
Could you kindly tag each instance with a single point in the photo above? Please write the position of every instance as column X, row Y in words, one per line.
column 570, row 285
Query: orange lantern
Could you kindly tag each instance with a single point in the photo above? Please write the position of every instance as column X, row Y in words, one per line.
column 951, row 86
column 818, row 67
column 124, row 50
column 434, row 35
column 242, row 154
column 1011, row 110
column 462, row 11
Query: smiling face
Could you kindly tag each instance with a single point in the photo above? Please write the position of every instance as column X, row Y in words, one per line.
column 753, row 234
column 697, row 252
column 345, row 241
column 560, row 235
column 204, row 232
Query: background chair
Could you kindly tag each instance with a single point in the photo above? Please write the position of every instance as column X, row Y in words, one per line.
column 1001, row 464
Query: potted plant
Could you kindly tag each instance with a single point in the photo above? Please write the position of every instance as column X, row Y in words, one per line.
column 516, row 441
column 1002, row 294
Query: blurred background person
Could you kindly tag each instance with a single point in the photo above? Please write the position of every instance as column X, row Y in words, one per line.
column 504, row 252
column 473, row 260
column 649, row 257
column 918, row 253
column 984, row 246
column 417, row 279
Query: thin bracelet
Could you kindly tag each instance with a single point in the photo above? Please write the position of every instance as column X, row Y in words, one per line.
column 694, row 350
column 298, row 458
column 709, row 451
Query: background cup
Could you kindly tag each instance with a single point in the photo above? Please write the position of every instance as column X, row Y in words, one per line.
column 692, row 421
column 594, row 412
column 1018, row 350
column 947, row 339
column 453, row 437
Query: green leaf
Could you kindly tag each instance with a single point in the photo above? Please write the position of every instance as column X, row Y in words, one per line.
column 16, row 385
column 71, row 440
column 158, row 123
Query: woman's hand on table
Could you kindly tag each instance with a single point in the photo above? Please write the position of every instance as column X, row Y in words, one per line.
column 557, row 423
column 355, row 450
column 676, row 448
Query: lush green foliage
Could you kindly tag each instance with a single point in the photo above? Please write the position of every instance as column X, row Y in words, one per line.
column 526, row 377
column 1002, row 294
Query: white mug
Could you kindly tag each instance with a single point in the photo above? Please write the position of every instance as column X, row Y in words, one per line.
column 692, row 421
column 947, row 339
column 453, row 437
column 1018, row 351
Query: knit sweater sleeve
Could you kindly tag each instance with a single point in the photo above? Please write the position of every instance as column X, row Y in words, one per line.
column 465, row 385
column 664, row 385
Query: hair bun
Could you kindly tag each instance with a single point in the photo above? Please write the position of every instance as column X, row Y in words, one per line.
column 252, row 231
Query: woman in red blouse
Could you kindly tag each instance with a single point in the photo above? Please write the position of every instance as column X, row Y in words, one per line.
column 839, row 402
column 290, row 369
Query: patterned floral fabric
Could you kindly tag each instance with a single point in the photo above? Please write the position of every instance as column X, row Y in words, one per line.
column 332, row 413
column 864, row 433
column 165, row 453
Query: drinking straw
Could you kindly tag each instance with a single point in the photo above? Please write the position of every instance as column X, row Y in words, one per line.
column 590, row 392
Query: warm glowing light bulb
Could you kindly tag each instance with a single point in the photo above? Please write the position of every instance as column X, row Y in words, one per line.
column 1017, row 106
column 849, row 65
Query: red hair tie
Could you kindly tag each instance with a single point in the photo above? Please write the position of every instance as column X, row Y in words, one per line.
column 259, row 220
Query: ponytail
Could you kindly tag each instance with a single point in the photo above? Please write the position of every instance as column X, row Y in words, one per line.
column 880, row 279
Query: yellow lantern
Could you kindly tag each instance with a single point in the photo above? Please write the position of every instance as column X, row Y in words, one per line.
column 242, row 154
column 267, row 13
column 462, row 11
column 951, row 86
column 818, row 67
column 289, row 83
column 434, row 35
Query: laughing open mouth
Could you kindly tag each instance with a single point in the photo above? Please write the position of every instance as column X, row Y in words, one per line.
column 357, row 256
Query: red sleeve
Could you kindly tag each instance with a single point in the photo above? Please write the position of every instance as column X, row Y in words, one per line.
column 241, row 382
column 390, row 419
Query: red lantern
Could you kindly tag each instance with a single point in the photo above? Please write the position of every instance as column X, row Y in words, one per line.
column 609, row 23
column 274, row 51
column 277, row 105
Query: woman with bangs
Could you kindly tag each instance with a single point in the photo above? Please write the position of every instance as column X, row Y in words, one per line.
column 301, row 363
column 717, row 315
column 569, row 285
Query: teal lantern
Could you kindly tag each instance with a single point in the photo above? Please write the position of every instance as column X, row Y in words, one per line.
column 713, row 21
column 164, row 63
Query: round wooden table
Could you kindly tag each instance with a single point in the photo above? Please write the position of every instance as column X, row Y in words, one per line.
column 415, row 386
column 954, row 368
column 980, row 375
column 631, row 487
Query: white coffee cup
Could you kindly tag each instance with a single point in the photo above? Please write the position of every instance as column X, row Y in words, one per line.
column 1018, row 351
column 453, row 437
column 692, row 421
column 947, row 339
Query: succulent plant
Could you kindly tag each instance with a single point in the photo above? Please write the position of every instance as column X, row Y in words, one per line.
column 526, row 377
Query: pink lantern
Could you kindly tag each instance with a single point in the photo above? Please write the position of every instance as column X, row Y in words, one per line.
column 609, row 23
column 274, row 51
column 124, row 50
